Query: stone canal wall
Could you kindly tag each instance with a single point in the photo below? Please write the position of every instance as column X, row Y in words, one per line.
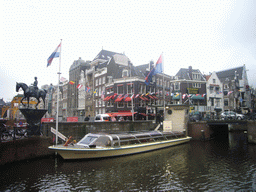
column 199, row 130
column 26, row 148
column 251, row 131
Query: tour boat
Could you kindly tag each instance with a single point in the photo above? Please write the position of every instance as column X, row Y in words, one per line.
column 102, row 145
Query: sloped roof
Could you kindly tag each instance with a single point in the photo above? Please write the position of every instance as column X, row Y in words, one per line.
column 230, row 74
column 183, row 73
column 104, row 54
column 2, row 102
column 141, row 70
column 121, row 59
column 207, row 77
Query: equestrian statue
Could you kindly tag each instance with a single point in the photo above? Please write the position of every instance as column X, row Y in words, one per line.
column 31, row 91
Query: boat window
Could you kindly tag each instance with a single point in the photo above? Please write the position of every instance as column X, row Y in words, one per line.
column 102, row 141
column 87, row 140
column 106, row 118
column 129, row 142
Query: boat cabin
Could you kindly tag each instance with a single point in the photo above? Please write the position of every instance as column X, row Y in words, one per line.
column 103, row 140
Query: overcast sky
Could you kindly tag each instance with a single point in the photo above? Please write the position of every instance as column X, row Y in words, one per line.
column 207, row 35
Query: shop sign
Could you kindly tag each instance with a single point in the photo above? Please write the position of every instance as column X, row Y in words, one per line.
column 72, row 119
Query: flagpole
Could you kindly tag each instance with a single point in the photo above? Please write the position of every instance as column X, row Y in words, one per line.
column 58, row 90
column 163, row 82
column 131, row 91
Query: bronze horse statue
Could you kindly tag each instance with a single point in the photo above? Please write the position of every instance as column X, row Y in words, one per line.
column 31, row 91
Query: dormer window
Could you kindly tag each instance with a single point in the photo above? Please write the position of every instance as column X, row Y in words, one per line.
column 225, row 86
column 125, row 73
column 195, row 76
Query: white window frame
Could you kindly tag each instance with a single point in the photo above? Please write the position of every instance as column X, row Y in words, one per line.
column 119, row 91
column 196, row 85
column 125, row 73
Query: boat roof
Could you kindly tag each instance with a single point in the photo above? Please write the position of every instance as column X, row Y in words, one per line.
column 135, row 133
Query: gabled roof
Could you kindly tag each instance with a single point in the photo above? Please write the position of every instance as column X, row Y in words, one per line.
column 229, row 74
column 104, row 54
column 207, row 77
column 183, row 73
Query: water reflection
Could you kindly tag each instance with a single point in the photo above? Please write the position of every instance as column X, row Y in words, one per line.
column 216, row 165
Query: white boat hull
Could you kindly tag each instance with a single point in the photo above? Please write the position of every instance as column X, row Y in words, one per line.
column 74, row 152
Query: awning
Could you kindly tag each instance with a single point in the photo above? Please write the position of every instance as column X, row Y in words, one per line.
column 107, row 98
column 151, row 97
column 127, row 99
column 197, row 97
column 145, row 98
column 119, row 99
column 142, row 98
column 123, row 114
column 177, row 97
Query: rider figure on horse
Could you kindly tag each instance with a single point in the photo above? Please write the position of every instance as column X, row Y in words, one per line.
column 35, row 84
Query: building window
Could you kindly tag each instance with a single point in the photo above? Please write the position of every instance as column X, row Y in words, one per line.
column 129, row 88
column 196, row 76
column 100, row 91
column 120, row 89
column 212, row 101
column 103, row 80
column 214, row 80
column 225, row 102
column 211, row 89
column 129, row 104
column 197, row 85
column 142, row 89
column 225, row 86
column 217, row 102
column 96, row 103
column 125, row 73
column 99, row 81
column 96, row 82
column 176, row 86
column 120, row 104
column 110, row 79
column 110, row 90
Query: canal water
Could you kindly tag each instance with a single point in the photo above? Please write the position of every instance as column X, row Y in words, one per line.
column 226, row 163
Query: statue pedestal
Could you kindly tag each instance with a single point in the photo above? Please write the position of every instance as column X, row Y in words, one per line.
column 33, row 117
